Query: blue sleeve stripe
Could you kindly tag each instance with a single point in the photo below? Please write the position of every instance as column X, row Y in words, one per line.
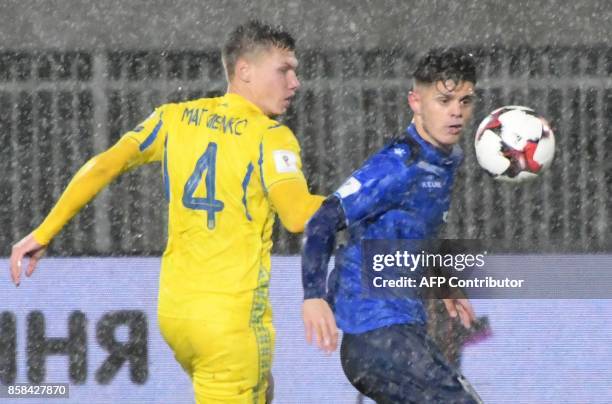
column 261, row 171
column 151, row 138
column 166, row 178
column 245, row 185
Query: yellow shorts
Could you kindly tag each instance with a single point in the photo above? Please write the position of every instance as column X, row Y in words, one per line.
column 228, row 352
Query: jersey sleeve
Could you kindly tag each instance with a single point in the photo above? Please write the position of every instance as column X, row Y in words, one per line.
column 279, row 156
column 149, row 135
column 379, row 185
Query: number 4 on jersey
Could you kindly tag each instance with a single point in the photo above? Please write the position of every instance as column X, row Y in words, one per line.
column 206, row 162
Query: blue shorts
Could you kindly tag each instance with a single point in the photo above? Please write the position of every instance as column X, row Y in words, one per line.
column 400, row 364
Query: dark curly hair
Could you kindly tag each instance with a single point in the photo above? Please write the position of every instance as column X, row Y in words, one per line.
column 445, row 64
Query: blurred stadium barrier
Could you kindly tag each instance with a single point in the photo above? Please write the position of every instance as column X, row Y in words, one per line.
column 57, row 108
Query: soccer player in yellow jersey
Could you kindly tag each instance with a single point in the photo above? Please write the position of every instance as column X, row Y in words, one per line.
column 227, row 168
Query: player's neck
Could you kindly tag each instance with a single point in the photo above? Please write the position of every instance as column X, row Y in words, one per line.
column 426, row 136
column 245, row 93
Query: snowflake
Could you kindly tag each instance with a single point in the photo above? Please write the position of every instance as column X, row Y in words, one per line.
column 399, row 152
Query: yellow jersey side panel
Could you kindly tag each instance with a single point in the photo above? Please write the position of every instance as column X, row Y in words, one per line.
column 279, row 159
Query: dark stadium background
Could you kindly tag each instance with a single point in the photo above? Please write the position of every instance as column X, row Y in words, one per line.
column 75, row 76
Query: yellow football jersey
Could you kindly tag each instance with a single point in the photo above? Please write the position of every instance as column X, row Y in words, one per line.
column 219, row 158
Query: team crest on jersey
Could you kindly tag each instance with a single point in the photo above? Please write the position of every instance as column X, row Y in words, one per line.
column 351, row 186
column 285, row 161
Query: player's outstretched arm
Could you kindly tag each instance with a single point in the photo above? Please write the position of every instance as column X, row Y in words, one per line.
column 87, row 182
column 319, row 241
column 294, row 203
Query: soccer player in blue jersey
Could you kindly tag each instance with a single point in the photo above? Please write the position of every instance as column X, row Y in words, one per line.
column 386, row 353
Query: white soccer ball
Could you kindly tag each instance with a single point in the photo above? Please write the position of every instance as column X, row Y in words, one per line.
column 514, row 143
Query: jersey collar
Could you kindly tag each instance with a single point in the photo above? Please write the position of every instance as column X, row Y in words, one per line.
column 238, row 100
column 433, row 154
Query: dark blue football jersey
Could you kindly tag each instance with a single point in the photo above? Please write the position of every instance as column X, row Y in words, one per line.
column 401, row 192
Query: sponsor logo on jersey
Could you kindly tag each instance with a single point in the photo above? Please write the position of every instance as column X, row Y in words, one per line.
column 431, row 184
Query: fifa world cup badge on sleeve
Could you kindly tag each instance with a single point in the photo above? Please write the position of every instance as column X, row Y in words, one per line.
column 285, row 161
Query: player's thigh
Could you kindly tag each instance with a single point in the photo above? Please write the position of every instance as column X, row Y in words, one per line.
column 366, row 367
column 400, row 364
column 173, row 330
column 227, row 362
column 232, row 365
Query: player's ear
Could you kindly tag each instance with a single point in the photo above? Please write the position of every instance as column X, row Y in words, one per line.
column 414, row 100
column 243, row 70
